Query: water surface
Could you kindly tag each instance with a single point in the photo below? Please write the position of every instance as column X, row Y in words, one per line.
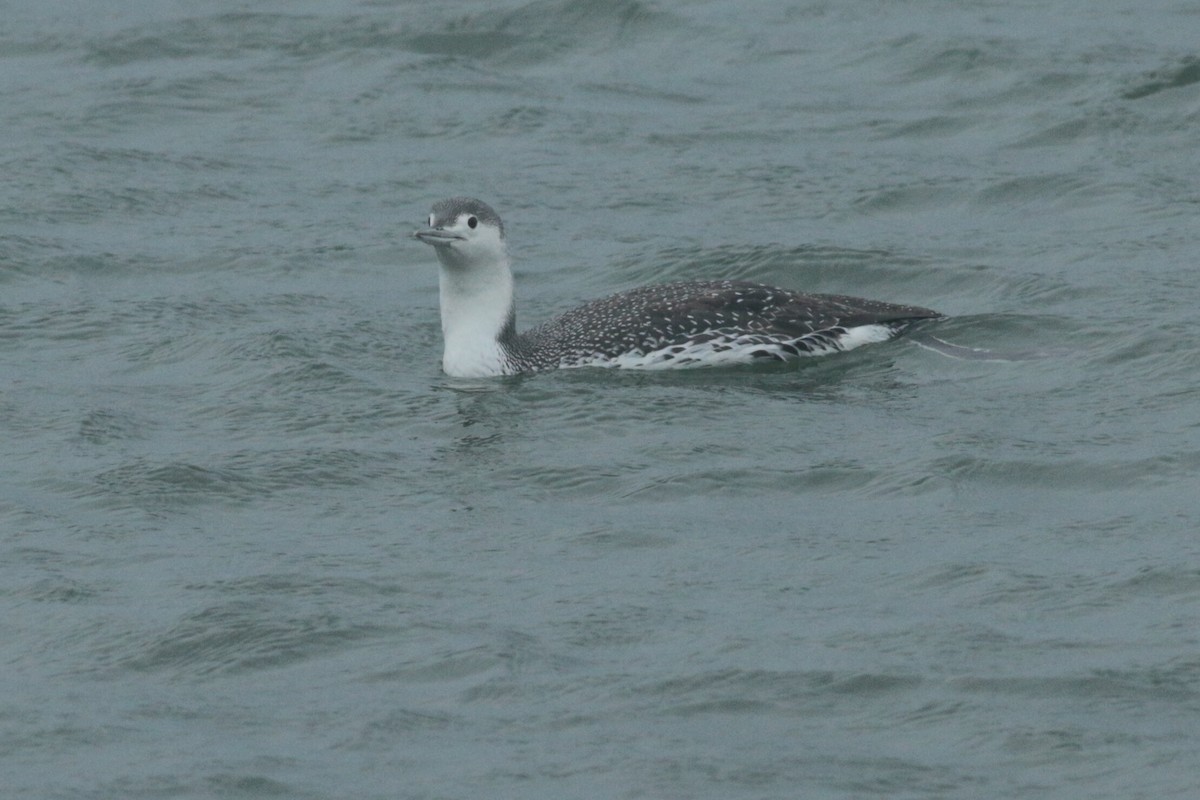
column 255, row 544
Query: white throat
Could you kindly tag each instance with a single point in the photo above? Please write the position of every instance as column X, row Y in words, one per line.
column 476, row 293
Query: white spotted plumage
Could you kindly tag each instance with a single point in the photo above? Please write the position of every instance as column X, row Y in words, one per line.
column 666, row 326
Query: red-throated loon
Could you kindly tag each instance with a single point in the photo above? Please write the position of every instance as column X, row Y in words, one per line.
column 665, row 326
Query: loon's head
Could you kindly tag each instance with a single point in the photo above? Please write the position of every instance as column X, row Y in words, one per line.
column 464, row 231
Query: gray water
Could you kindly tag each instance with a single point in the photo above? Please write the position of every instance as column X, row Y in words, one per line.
column 255, row 544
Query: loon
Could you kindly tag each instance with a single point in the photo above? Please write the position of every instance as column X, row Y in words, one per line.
column 665, row 326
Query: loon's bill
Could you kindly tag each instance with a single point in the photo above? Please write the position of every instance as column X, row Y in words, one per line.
column 666, row 326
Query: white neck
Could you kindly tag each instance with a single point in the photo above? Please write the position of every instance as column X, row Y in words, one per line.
column 477, row 298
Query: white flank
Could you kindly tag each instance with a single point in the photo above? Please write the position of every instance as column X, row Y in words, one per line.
column 865, row 334
column 735, row 350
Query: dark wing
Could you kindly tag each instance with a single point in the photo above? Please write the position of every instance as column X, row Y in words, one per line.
column 799, row 313
column 652, row 316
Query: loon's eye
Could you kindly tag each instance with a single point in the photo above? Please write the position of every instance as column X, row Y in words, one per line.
column 472, row 222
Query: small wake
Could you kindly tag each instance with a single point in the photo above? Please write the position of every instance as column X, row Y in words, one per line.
column 942, row 347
